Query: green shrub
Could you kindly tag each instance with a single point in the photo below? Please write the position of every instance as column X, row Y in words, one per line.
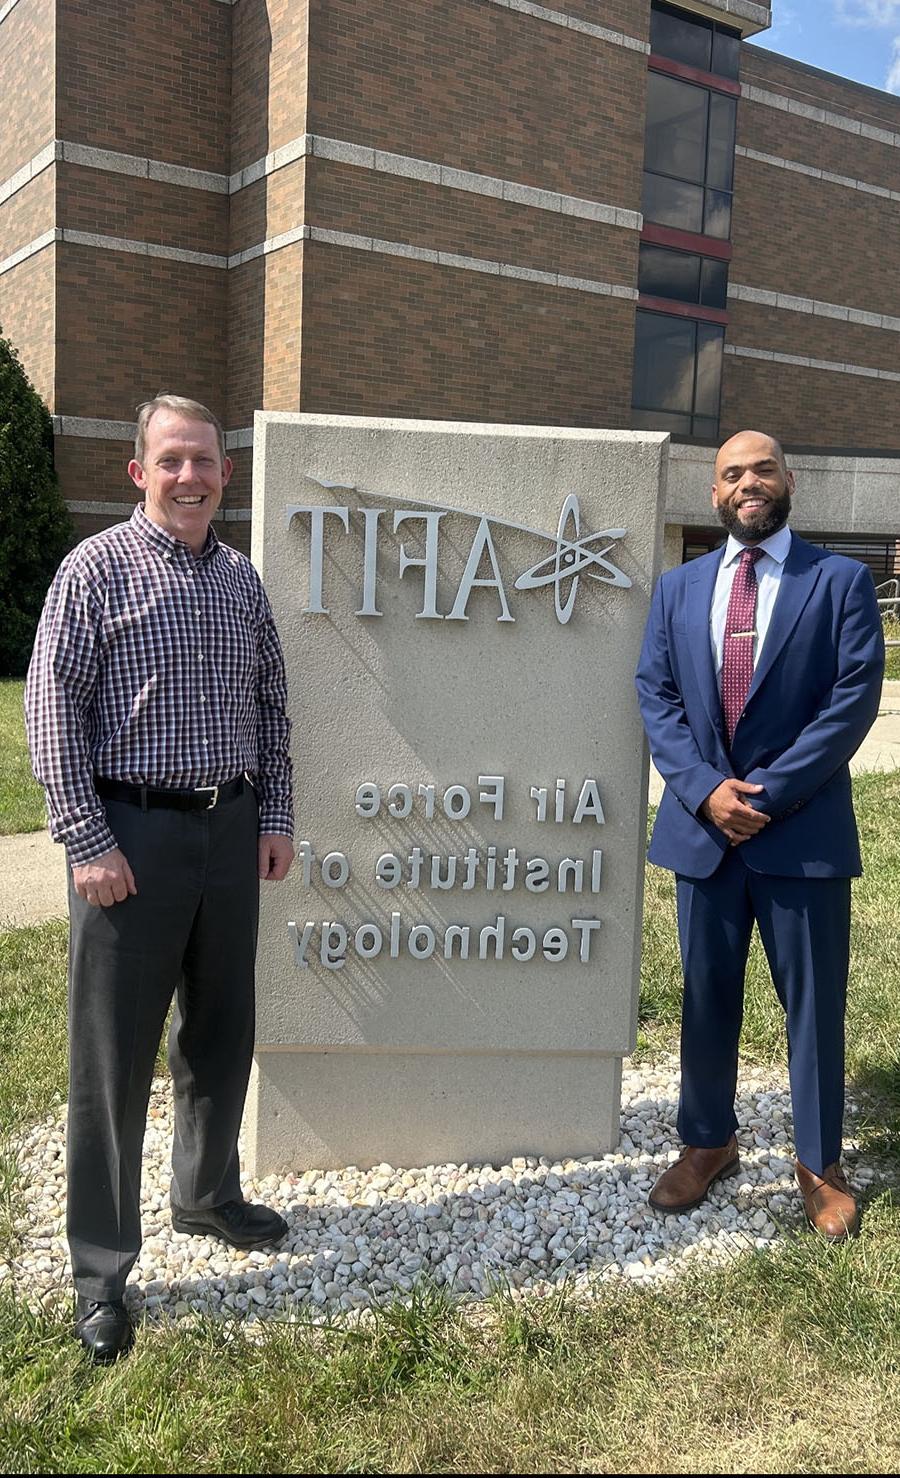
column 35, row 529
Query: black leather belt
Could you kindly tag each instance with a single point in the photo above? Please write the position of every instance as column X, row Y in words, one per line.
column 204, row 798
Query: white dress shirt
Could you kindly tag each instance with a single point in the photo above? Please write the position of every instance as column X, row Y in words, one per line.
column 769, row 569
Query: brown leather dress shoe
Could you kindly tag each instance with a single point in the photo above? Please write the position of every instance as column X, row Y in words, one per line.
column 684, row 1185
column 830, row 1204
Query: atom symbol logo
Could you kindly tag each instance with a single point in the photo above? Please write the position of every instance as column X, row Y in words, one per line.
column 574, row 556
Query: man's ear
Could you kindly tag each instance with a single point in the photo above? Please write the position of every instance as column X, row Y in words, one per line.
column 138, row 475
column 227, row 469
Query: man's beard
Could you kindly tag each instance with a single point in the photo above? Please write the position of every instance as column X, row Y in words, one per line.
column 765, row 521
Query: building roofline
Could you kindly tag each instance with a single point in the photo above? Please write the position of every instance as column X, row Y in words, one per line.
column 807, row 67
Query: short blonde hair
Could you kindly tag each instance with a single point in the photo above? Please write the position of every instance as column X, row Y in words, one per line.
column 191, row 410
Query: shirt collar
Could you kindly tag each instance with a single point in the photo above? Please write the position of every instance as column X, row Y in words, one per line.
column 777, row 545
column 165, row 543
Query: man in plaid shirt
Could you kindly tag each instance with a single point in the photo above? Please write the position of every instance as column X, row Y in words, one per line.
column 156, row 711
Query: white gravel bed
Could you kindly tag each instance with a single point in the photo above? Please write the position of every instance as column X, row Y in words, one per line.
column 361, row 1238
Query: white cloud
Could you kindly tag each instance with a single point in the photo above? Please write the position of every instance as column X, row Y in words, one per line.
column 875, row 15
column 868, row 12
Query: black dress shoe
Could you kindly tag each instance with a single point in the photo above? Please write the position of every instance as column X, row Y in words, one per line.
column 241, row 1223
column 104, row 1329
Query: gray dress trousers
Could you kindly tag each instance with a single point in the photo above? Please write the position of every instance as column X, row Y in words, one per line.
column 189, row 932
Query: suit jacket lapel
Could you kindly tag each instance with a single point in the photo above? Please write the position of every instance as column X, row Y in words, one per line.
column 801, row 571
column 700, row 597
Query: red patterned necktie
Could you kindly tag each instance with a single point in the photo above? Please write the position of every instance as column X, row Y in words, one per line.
column 740, row 633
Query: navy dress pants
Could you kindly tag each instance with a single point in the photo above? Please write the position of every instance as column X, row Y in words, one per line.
column 804, row 924
column 190, row 932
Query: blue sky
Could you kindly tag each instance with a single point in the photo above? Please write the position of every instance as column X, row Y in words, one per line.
column 859, row 39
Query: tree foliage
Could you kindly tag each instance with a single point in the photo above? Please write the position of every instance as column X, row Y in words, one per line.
column 35, row 529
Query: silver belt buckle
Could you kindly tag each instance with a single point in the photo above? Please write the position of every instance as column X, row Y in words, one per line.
column 213, row 791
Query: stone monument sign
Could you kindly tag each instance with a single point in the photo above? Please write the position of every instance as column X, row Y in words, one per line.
column 450, row 970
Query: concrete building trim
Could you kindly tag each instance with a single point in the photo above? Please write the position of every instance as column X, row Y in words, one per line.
column 815, row 174
column 125, row 510
column 30, row 171
column 469, row 264
column 316, row 146
column 574, row 23
column 30, row 249
column 112, row 162
column 846, row 495
column 309, row 145
column 142, row 167
column 142, row 248
column 264, row 248
column 784, row 104
column 330, row 238
column 803, row 362
column 747, row 16
column 98, row 429
column 740, row 293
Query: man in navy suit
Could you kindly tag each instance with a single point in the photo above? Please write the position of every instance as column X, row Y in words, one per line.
column 759, row 677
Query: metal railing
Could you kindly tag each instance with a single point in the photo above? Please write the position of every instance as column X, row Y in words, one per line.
column 888, row 596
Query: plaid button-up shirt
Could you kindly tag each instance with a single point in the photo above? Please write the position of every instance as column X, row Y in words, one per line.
column 159, row 669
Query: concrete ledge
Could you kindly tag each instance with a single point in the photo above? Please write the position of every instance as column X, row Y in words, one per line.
column 846, row 495
column 745, row 16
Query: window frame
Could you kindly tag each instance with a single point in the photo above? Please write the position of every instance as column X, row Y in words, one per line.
column 703, row 261
column 704, row 185
column 696, row 324
column 713, row 28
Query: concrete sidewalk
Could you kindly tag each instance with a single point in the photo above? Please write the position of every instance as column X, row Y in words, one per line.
column 32, row 880
column 33, row 869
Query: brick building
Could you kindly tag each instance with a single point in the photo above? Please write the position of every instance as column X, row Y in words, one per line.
column 595, row 212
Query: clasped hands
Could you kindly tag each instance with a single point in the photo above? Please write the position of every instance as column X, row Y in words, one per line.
column 109, row 879
column 726, row 809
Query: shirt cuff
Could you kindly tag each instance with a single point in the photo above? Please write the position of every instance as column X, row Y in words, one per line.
column 275, row 821
column 88, row 844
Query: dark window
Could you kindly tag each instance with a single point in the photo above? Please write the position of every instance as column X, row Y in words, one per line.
column 726, row 60
column 665, row 273
column 698, row 542
column 672, row 203
column 714, row 283
column 677, row 375
column 878, row 554
column 677, row 125
column 717, row 214
column 669, row 274
column 720, row 154
column 688, row 156
column 683, row 38
column 694, row 41
column 710, row 346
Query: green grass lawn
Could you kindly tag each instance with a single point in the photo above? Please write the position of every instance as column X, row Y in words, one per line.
column 786, row 1362
column 21, row 798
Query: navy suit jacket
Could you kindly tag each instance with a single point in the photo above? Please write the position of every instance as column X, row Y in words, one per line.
column 814, row 695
